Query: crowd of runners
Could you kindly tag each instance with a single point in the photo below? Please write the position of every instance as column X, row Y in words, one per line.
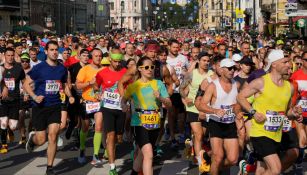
column 231, row 99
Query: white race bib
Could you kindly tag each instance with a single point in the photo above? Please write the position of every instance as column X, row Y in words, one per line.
column 274, row 120
column 229, row 117
column 52, row 86
column 303, row 104
column 111, row 100
column 287, row 125
column 92, row 107
column 10, row 83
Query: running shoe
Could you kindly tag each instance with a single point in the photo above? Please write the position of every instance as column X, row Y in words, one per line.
column 50, row 172
column 159, row 151
column 96, row 161
column 204, row 166
column 59, row 141
column 242, row 168
column 30, row 145
column 113, row 172
column 4, row 149
column 174, row 144
column 181, row 139
column 81, row 158
column 188, row 148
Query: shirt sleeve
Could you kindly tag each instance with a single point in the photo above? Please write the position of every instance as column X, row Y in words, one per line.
column 22, row 74
column 162, row 89
column 64, row 78
column 34, row 72
column 81, row 75
column 99, row 78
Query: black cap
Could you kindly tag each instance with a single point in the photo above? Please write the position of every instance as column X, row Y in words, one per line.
column 247, row 60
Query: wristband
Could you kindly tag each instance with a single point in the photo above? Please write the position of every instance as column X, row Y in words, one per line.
column 34, row 97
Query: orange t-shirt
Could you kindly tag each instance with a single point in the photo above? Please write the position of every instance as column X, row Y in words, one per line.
column 86, row 74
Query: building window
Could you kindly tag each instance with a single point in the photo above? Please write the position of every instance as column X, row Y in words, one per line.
column 213, row 19
column 122, row 5
column 134, row 4
column 112, row 5
column 212, row 4
column 221, row 5
column 228, row 6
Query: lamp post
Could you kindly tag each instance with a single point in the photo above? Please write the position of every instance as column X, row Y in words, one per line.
column 121, row 13
column 74, row 16
column 155, row 12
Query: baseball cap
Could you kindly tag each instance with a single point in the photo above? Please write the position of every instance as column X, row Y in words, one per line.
column 280, row 42
column 105, row 61
column 227, row 63
column 25, row 56
column 236, row 57
column 273, row 56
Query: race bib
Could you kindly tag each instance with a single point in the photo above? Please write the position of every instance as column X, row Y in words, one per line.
column 229, row 117
column 10, row 83
column 62, row 96
column 111, row 100
column 274, row 120
column 287, row 125
column 52, row 86
column 92, row 107
column 150, row 119
column 303, row 104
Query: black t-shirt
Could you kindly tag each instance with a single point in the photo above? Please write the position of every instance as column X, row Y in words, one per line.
column 12, row 78
column 74, row 70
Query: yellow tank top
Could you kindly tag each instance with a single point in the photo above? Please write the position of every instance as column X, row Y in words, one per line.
column 272, row 102
column 197, row 79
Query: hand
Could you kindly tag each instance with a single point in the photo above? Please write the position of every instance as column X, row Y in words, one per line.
column 189, row 102
column 71, row 100
column 260, row 118
column 297, row 111
column 202, row 116
column 299, row 119
column 39, row 99
column 156, row 94
column 219, row 112
column 93, row 81
column 5, row 93
column 240, row 115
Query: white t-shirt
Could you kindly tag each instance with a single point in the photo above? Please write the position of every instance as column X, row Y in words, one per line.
column 181, row 65
column 32, row 63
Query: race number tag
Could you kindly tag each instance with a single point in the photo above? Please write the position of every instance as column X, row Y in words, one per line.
column 92, row 107
column 150, row 119
column 52, row 86
column 287, row 125
column 274, row 120
column 303, row 104
column 62, row 96
column 111, row 100
column 229, row 116
column 10, row 83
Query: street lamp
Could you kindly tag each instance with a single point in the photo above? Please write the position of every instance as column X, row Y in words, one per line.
column 155, row 12
column 74, row 16
column 121, row 13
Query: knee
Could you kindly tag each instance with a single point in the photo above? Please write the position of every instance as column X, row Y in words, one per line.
column 233, row 160
column 198, row 136
column 52, row 137
column 40, row 139
column 13, row 124
column 276, row 170
column 217, row 158
column 111, row 136
column 98, row 127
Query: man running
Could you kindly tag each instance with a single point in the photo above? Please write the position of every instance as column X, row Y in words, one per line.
column 46, row 112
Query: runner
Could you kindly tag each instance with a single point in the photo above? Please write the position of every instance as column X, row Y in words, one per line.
column 271, row 106
column 221, row 96
column 3, row 117
column 181, row 65
column 85, row 82
column 13, row 76
column 145, row 127
column 46, row 110
column 114, row 118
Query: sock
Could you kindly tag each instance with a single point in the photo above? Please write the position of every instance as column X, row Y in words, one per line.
column 49, row 167
column 3, row 136
column 198, row 160
column 83, row 136
column 97, row 142
column 207, row 158
column 133, row 172
column 112, row 166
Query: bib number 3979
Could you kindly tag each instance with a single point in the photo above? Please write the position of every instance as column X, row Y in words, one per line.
column 150, row 119
column 52, row 86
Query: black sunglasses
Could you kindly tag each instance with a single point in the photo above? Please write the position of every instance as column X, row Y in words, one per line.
column 231, row 68
column 147, row 67
column 299, row 64
column 25, row 61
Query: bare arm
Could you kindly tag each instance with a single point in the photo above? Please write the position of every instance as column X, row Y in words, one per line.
column 168, row 80
column 125, row 79
column 184, row 84
column 206, row 99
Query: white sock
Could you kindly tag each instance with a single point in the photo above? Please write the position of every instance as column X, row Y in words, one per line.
column 112, row 166
column 198, row 159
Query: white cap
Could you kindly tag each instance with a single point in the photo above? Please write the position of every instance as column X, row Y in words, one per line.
column 273, row 56
column 227, row 63
column 236, row 57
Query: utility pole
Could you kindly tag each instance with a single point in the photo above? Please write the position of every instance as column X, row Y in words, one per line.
column 21, row 12
column 121, row 13
column 232, row 14
column 222, row 14
column 240, row 12
column 254, row 4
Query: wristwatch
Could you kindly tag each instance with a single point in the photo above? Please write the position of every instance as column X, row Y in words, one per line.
column 252, row 112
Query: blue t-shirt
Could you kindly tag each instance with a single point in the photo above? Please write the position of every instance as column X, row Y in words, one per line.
column 48, row 81
column 41, row 54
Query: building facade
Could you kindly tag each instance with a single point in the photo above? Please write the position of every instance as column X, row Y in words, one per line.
column 130, row 14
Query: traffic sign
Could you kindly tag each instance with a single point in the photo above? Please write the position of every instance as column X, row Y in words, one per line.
column 239, row 20
column 301, row 23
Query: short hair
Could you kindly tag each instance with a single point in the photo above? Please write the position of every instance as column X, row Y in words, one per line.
column 221, row 44
column 163, row 49
column 245, row 42
column 9, row 49
column 51, row 43
column 172, row 40
column 305, row 52
column 84, row 51
column 33, row 49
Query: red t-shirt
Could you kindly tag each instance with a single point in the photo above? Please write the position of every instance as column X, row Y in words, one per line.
column 300, row 95
column 70, row 61
column 108, row 78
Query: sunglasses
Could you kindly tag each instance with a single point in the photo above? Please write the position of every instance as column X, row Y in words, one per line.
column 231, row 68
column 147, row 67
column 25, row 61
column 299, row 64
